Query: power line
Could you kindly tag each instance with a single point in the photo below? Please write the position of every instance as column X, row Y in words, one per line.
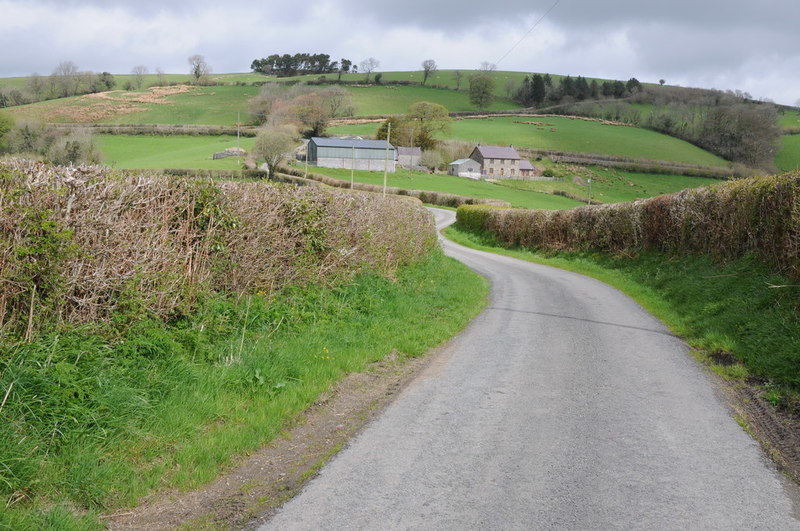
column 529, row 31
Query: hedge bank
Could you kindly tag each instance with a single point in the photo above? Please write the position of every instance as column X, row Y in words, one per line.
column 81, row 244
column 758, row 216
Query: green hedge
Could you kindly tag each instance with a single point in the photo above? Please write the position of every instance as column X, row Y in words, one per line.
column 759, row 216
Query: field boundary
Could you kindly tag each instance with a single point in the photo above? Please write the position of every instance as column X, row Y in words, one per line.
column 161, row 129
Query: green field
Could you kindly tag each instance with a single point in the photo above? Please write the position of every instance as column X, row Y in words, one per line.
column 413, row 180
column 395, row 99
column 565, row 134
column 788, row 157
column 217, row 105
column 790, row 119
column 610, row 185
column 159, row 152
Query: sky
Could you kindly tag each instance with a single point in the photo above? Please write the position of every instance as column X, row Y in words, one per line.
column 722, row 44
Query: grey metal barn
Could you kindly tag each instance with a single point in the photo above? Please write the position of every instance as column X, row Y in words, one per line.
column 346, row 153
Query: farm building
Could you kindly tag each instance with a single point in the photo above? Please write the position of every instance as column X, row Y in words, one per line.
column 501, row 162
column 465, row 168
column 409, row 157
column 350, row 153
column 526, row 169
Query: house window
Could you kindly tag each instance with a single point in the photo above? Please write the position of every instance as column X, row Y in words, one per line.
column 491, row 171
column 512, row 172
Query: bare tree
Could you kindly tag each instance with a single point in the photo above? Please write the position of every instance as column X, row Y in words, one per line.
column 66, row 79
column 339, row 101
column 458, row 75
column 369, row 65
column 487, row 67
column 35, row 85
column 139, row 72
column 428, row 69
column 199, row 68
column 162, row 78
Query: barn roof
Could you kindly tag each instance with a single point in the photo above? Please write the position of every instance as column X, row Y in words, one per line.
column 462, row 161
column 498, row 152
column 349, row 143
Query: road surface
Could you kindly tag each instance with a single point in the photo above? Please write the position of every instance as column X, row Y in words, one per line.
column 564, row 405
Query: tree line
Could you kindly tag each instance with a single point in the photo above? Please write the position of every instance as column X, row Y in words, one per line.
column 286, row 65
column 539, row 90
column 65, row 81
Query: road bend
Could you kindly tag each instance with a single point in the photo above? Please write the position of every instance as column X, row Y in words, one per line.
column 564, row 405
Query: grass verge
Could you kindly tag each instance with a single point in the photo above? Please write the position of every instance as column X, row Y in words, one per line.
column 742, row 319
column 93, row 424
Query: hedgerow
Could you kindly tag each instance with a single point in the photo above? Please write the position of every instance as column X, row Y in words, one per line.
column 758, row 216
column 429, row 197
column 83, row 244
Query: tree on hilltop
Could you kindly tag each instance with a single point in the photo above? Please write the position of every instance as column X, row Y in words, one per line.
column 368, row 66
column 428, row 69
column 199, row 68
column 138, row 72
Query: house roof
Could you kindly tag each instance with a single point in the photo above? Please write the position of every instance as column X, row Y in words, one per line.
column 349, row 143
column 409, row 151
column 525, row 164
column 498, row 152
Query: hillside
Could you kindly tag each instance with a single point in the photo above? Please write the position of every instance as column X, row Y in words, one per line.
column 228, row 103
column 566, row 134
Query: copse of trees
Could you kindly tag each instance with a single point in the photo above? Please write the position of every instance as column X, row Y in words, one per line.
column 287, row 65
column 748, row 133
column 539, row 90
column 728, row 124
column 309, row 108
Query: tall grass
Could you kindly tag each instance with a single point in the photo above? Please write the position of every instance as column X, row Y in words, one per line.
column 92, row 424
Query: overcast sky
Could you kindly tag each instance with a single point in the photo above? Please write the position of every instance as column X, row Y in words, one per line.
column 723, row 44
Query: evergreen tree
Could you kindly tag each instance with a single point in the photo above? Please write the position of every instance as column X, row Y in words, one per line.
column 538, row 89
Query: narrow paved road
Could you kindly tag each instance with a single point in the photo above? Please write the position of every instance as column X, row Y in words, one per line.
column 564, row 405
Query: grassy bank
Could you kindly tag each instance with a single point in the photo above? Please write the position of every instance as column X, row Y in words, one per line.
column 94, row 424
column 744, row 319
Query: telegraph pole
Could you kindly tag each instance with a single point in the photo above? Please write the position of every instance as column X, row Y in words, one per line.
column 386, row 161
